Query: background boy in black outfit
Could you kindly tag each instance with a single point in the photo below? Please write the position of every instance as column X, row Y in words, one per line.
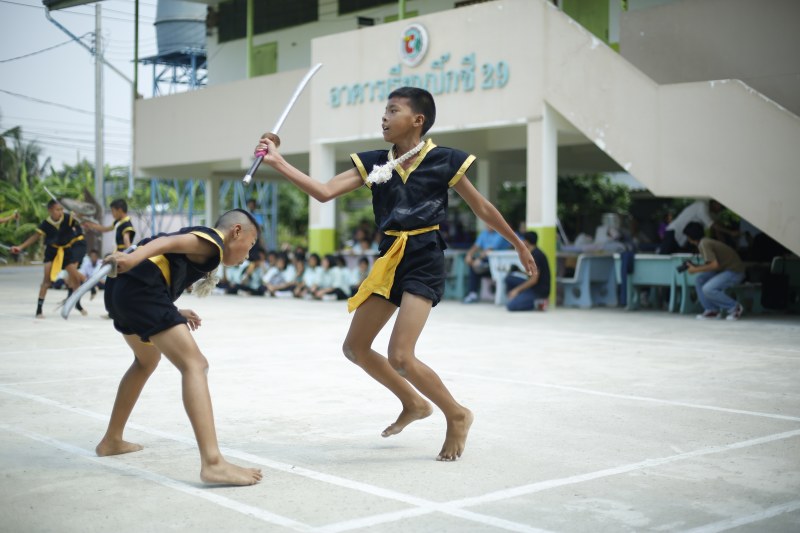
column 125, row 233
column 64, row 249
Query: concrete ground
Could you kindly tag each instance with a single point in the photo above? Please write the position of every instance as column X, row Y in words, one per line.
column 586, row 421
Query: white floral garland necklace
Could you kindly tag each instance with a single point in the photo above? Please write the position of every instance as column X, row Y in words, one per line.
column 383, row 173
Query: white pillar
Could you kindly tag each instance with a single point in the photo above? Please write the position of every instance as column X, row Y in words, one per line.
column 542, row 181
column 322, row 217
column 212, row 200
column 483, row 184
column 542, row 170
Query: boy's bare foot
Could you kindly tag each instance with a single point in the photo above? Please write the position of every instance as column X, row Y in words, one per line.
column 109, row 447
column 39, row 315
column 456, row 437
column 408, row 415
column 225, row 473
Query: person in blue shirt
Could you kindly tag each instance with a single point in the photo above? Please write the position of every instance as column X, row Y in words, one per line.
column 477, row 260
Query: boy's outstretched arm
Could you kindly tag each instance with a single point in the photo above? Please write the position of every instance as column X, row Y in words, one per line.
column 487, row 212
column 197, row 250
column 30, row 240
column 97, row 227
column 322, row 192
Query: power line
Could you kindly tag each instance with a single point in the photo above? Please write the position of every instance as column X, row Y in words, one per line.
column 77, row 110
column 50, row 123
column 42, row 50
column 70, row 12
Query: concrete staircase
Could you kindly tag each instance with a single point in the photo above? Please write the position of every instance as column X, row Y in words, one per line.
column 718, row 139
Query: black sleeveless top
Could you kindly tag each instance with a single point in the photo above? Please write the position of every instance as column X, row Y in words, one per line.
column 175, row 269
column 416, row 197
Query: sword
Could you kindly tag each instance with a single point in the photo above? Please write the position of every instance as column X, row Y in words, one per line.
column 281, row 119
column 81, row 218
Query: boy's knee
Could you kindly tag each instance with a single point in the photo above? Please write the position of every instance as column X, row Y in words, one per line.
column 399, row 359
column 150, row 364
column 197, row 363
column 349, row 351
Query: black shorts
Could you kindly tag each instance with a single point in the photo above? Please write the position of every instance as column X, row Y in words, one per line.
column 140, row 308
column 73, row 254
column 420, row 272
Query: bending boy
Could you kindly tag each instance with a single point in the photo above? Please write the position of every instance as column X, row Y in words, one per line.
column 409, row 184
column 140, row 301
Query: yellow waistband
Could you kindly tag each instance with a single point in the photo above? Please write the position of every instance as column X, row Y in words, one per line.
column 163, row 265
column 381, row 277
column 58, row 260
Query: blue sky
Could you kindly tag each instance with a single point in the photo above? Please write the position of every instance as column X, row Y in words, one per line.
column 64, row 76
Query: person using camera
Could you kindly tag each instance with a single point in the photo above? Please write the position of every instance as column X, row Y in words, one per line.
column 723, row 268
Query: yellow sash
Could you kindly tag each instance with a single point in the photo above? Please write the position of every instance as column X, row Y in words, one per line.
column 381, row 277
column 58, row 260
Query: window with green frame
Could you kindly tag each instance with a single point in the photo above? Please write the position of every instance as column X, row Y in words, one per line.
column 268, row 15
column 351, row 6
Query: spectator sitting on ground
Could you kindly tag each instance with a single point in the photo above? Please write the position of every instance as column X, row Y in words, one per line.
column 528, row 293
column 358, row 275
column 91, row 262
column 280, row 278
column 250, row 280
column 365, row 246
column 335, row 284
column 299, row 264
column 312, row 276
column 477, row 260
column 722, row 269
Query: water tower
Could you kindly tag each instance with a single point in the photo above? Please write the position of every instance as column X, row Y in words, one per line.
column 181, row 38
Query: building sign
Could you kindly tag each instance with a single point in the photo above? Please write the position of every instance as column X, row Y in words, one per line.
column 413, row 44
column 442, row 77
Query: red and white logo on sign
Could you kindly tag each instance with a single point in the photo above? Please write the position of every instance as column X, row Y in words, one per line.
column 413, row 44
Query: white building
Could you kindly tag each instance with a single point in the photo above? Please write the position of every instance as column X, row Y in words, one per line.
column 700, row 101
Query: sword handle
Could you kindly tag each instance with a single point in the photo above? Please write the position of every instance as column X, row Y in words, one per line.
column 254, row 167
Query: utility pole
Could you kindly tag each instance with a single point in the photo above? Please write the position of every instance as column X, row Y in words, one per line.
column 134, row 97
column 99, row 163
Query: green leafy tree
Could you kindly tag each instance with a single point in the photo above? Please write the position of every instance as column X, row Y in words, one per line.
column 582, row 200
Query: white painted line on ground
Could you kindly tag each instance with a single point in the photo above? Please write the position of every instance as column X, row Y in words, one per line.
column 725, row 525
column 424, row 506
column 61, row 350
column 487, row 377
column 65, row 380
column 217, row 499
column 646, row 341
column 623, row 469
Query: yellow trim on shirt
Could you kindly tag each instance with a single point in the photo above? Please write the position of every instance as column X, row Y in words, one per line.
column 121, row 221
column 361, row 170
column 404, row 174
column 163, row 265
column 208, row 238
column 461, row 171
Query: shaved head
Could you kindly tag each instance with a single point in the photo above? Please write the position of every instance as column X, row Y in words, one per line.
column 236, row 216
